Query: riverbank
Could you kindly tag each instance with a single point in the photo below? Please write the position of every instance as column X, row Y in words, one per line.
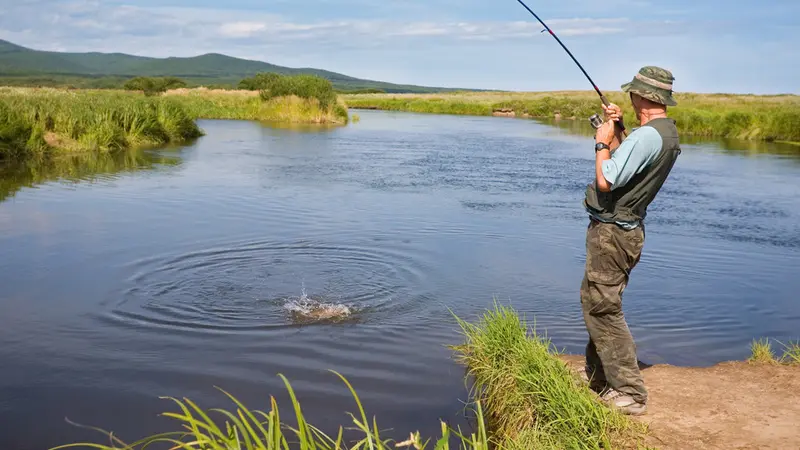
column 38, row 122
column 750, row 117
column 730, row 405
column 527, row 395
column 202, row 103
column 42, row 122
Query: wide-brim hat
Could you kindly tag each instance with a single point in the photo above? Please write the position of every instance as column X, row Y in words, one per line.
column 653, row 83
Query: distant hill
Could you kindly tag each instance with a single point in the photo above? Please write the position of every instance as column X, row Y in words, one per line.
column 24, row 66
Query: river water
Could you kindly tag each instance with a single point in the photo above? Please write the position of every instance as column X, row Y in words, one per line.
column 166, row 273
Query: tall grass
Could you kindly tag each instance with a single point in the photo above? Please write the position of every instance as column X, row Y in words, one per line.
column 249, row 105
column 791, row 354
column 532, row 399
column 311, row 88
column 761, row 352
column 249, row 429
column 37, row 122
column 303, row 86
column 768, row 118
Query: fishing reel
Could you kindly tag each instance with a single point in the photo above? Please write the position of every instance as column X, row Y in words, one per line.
column 596, row 121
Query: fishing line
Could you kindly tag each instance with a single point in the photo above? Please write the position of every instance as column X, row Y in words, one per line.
column 602, row 97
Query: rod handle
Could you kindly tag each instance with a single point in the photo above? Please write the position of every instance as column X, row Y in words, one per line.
column 621, row 123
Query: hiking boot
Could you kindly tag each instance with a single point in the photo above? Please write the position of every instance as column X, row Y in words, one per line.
column 623, row 402
column 596, row 385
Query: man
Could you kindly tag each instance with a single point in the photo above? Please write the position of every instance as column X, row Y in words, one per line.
column 629, row 173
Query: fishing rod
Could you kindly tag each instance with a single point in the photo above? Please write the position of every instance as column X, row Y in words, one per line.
column 595, row 119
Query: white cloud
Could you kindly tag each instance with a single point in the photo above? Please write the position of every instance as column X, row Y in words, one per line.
column 241, row 29
column 83, row 25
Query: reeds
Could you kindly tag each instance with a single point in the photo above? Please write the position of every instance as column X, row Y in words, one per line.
column 767, row 118
column 38, row 122
column 249, row 429
column 313, row 89
column 531, row 398
column 761, row 353
column 41, row 121
column 791, row 354
column 248, row 105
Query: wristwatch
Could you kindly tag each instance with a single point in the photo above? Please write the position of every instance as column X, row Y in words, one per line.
column 600, row 146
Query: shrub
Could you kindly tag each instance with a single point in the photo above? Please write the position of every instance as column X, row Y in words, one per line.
column 274, row 85
column 154, row 86
column 259, row 82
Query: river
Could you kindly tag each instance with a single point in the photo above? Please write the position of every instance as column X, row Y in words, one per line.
column 169, row 272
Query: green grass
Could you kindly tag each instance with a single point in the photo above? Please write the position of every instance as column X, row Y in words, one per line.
column 531, row 398
column 766, row 118
column 249, row 105
column 41, row 122
column 761, row 352
column 248, row 429
column 791, row 354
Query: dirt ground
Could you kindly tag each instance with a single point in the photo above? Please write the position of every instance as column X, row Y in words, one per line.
column 735, row 405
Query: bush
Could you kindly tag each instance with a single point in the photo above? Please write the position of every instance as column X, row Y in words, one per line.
column 153, row 86
column 259, row 82
column 274, row 85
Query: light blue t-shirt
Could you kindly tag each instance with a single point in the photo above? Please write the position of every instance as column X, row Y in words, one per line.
column 636, row 152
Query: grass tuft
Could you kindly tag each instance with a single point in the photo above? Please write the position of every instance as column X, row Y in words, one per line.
column 791, row 353
column 531, row 397
column 761, row 352
column 247, row 429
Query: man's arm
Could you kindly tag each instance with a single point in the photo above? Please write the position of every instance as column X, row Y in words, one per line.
column 606, row 134
column 634, row 154
column 610, row 135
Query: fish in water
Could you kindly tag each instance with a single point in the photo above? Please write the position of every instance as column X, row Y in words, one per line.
column 309, row 310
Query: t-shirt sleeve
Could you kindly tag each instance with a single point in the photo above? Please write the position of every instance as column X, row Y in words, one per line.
column 638, row 151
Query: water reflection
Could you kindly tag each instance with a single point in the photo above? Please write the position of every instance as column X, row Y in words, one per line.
column 82, row 167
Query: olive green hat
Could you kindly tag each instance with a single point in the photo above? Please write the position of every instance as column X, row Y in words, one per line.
column 653, row 83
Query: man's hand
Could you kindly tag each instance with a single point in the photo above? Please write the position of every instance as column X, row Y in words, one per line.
column 606, row 133
column 612, row 112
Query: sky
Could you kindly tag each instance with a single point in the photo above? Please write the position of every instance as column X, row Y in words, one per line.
column 709, row 45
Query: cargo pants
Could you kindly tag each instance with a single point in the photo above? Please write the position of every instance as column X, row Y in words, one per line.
column 611, row 253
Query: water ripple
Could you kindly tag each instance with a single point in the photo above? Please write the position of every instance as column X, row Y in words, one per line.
column 262, row 285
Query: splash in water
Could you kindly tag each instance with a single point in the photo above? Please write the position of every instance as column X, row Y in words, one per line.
column 307, row 309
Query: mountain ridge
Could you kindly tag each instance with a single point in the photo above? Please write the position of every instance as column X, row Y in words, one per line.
column 19, row 64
